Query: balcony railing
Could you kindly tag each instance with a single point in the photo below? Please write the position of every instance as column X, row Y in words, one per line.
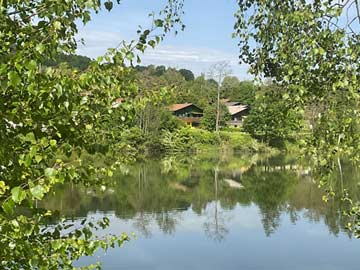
column 235, row 123
column 190, row 119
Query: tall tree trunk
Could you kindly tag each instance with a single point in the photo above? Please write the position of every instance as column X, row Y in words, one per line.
column 218, row 109
column 218, row 101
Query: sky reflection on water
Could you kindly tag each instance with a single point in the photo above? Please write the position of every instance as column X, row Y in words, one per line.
column 189, row 217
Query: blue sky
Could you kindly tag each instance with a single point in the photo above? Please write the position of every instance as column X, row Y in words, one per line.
column 205, row 41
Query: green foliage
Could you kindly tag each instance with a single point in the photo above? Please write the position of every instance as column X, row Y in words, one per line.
column 188, row 140
column 229, row 87
column 311, row 49
column 200, row 92
column 213, row 82
column 208, row 121
column 187, row 74
column 246, row 93
column 51, row 117
column 241, row 91
column 182, row 83
column 159, row 70
column 76, row 61
column 243, row 142
column 188, row 89
column 313, row 54
column 169, row 122
column 272, row 119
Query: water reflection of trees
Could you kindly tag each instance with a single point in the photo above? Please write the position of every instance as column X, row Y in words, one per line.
column 270, row 191
column 153, row 196
column 215, row 225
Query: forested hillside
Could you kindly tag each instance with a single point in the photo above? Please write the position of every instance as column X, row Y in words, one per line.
column 270, row 119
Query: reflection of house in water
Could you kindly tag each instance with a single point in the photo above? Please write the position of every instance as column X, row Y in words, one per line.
column 233, row 184
column 179, row 186
column 188, row 113
column 300, row 170
column 233, row 178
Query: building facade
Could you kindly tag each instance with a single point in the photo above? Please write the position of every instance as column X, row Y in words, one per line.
column 188, row 113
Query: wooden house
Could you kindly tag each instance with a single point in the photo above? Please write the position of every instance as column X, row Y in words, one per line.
column 188, row 113
column 237, row 112
column 232, row 103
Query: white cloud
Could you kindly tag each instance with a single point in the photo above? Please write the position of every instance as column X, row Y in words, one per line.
column 173, row 54
column 97, row 42
column 197, row 59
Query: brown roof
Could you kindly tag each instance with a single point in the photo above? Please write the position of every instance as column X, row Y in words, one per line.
column 236, row 109
column 232, row 103
column 117, row 102
column 176, row 107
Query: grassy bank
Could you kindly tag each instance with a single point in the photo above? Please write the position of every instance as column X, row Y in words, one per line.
column 193, row 140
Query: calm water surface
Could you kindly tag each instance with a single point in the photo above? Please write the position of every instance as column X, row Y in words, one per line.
column 219, row 212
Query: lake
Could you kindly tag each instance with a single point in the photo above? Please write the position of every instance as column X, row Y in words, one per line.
column 219, row 211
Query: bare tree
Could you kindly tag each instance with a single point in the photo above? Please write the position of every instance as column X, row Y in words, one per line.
column 218, row 72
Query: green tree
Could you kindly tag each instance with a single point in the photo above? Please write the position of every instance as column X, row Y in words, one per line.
column 312, row 50
column 50, row 117
column 200, row 92
column 217, row 73
column 245, row 93
column 159, row 70
column 157, row 92
column 209, row 119
column 75, row 61
column 187, row 74
column 235, row 90
column 213, row 82
column 272, row 119
column 229, row 87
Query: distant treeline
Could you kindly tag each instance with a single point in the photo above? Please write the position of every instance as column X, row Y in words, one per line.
column 190, row 88
column 271, row 118
column 160, row 70
column 75, row 61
